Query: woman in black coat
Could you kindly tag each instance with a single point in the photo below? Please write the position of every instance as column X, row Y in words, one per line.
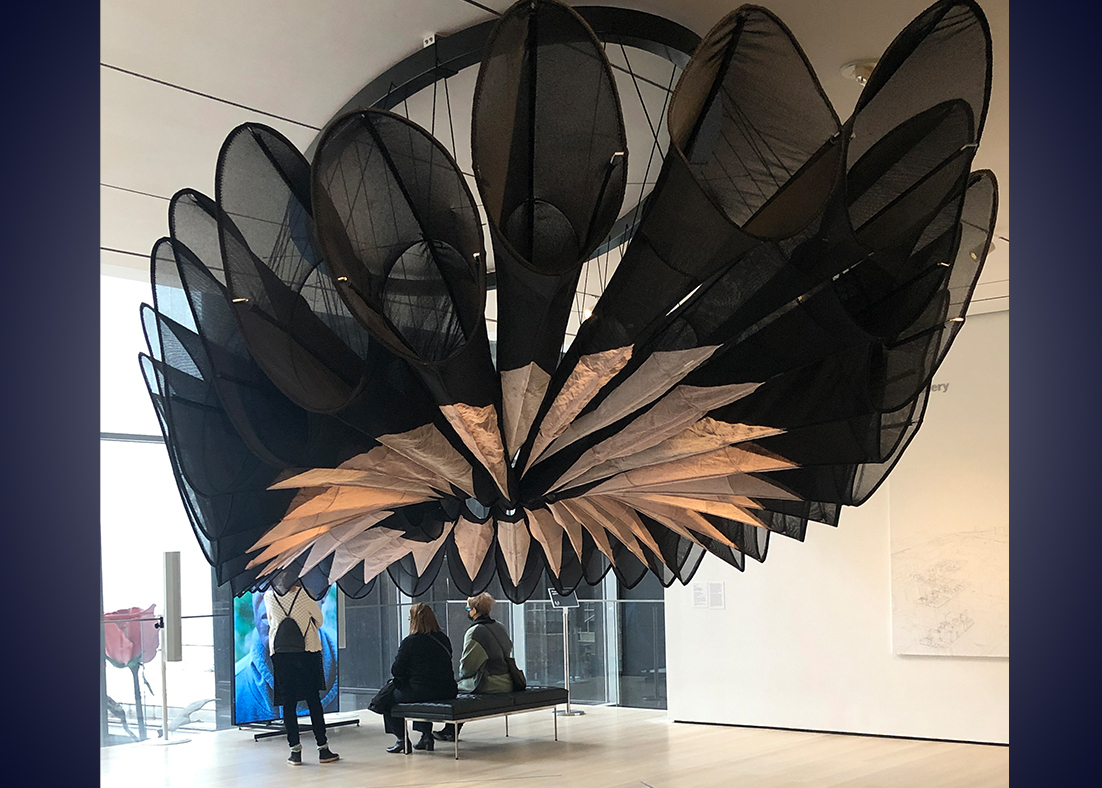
column 422, row 671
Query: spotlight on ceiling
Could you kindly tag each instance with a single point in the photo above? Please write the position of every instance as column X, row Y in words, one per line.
column 859, row 70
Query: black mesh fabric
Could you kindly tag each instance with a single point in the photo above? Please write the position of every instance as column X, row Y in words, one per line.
column 319, row 359
column 227, row 514
column 403, row 240
column 464, row 583
column 401, row 234
column 550, row 160
column 352, row 584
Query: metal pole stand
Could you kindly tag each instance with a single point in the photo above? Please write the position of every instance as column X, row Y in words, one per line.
column 164, row 695
column 567, row 712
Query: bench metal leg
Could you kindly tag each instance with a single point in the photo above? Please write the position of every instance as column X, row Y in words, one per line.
column 506, row 726
column 555, row 716
column 455, row 728
column 405, row 735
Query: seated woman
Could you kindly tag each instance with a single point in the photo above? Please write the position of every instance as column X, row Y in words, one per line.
column 486, row 644
column 422, row 671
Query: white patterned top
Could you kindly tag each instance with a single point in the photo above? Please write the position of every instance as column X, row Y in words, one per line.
column 303, row 611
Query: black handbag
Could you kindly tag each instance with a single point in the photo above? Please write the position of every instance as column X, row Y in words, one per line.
column 520, row 681
column 384, row 698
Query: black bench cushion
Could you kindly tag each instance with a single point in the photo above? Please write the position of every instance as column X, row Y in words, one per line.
column 469, row 704
column 540, row 696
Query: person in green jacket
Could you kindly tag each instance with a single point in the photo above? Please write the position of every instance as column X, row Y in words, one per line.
column 482, row 666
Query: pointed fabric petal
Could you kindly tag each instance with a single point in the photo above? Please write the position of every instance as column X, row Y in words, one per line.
column 383, row 460
column 424, row 552
column 339, row 477
column 702, row 437
column 570, row 524
column 587, row 378
column 427, row 447
column 543, row 526
column 522, row 393
column 582, row 513
column 514, row 540
column 656, row 376
column 290, row 528
column 473, row 541
column 671, row 416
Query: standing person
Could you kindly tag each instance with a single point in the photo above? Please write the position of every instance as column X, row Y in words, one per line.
column 295, row 646
column 422, row 671
column 482, row 667
column 254, row 682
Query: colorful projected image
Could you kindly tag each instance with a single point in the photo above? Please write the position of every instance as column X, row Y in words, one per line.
column 253, row 681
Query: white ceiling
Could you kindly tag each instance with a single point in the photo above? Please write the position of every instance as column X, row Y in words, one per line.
column 177, row 77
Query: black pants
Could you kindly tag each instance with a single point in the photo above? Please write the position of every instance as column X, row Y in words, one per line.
column 396, row 725
column 317, row 720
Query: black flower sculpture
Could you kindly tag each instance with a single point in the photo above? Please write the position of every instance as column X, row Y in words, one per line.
column 318, row 353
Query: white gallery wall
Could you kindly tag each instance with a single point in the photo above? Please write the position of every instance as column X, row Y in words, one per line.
column 805, row 640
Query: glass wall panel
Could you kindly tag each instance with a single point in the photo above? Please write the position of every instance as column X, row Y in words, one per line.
column 141, row 518
column 124, row 402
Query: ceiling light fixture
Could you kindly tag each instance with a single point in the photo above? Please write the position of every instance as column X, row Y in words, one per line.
column 859, row 70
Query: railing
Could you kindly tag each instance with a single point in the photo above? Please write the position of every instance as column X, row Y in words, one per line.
column 133, row 693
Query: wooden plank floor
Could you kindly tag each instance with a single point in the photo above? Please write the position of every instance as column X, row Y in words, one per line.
column 605, row 748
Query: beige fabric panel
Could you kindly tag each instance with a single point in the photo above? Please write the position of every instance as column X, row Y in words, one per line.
column 424, row 552
column 343, row 560
column 377, row 545
column 426, row 446
column 337, row 502
column 626, row 515
column 319, row 549
column 702, row 437
column 522, row 392
column 292, row 536
column 728, row 461
column 588, row 376
column 377, row 557
column 386, row 461
column 300, row 539
column 583, row 514
column 289, row 528
column 675, row 412
column 514, row 541
column 283, row 560
column 336, row 538
column 569, row 524
column 717, row 508
column 615, row 526
column 548, row 533
column 659, row 373
column 680, row 521
column 735, row 488
column 346, row 477
column 287, row 534
column 473, row 540
column 319, row 541
column 479, row 430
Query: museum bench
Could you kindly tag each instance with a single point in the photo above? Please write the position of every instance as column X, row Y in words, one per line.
column 469, row 707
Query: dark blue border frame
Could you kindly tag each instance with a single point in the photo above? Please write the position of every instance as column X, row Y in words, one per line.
column 50, row 388
column 50, row 394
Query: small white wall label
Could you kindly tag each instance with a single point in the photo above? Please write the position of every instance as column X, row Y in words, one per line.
column 700, row 595
column 715, row 594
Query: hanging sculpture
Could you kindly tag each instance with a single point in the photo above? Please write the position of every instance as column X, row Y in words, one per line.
column 319, row 358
